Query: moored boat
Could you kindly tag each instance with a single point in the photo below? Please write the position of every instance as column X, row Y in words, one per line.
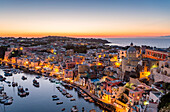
column 6, row 73
column 63, row 109
column 72, row 99
column 23, row 78
column 59, row 103
column 36, row 83
column 74, row 109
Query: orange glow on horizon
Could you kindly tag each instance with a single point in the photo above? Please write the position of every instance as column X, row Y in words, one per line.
column 85, row 35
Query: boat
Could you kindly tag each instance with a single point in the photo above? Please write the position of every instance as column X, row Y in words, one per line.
column 63, row 109
column 57, row 82
column 82, row 109
column 14, row 84
column 36, row 83
column 59, row 103
column 8, row 82
column 23, row 78
column 8, row 101
column 52, row 80
column 91, row 100
column 22, row 94
column 72, row 99
column 69, row 95
column 54, row 97
column 20, row 89
column 2, row 78
column 7, row 73
column 1, row 88
column 86, row 98
column 64, row 92
column 26, row 90
column 74, row 109
column 38, row 77
column 58, row 87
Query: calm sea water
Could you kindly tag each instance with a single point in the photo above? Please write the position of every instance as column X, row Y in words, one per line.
column 153, row 42
column 40, row 99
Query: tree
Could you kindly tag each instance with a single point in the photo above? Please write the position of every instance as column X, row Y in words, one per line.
column 164, row 102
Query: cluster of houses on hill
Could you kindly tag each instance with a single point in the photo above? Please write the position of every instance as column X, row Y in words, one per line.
column 133, row 79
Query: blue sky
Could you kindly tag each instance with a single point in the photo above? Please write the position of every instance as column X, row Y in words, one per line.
column 85, row 17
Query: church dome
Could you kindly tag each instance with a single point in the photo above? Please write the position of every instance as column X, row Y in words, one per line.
column 131, row 49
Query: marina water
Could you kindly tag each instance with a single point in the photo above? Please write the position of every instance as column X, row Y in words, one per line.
column 40, row 99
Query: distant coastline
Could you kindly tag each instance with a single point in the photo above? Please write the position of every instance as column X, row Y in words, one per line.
column 152, row 42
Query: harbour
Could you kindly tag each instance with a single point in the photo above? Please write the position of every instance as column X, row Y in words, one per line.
column 40, row 98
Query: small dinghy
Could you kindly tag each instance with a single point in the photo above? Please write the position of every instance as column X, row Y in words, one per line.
column 54, row 97
column 58, row 103
column 72, row 99
column 63, row 109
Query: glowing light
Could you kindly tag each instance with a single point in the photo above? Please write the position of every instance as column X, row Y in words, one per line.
column 21, row 48
column 117, row 64
column 99, row 63
column 37, row 67
column 56, row 70
column 99, row 56
column 52, row 50
column 146, row 102
column 26, row 62
column 154, row 66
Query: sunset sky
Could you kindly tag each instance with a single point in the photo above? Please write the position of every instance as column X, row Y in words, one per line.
column 85, row 18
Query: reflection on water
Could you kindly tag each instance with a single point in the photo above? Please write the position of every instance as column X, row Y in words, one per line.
column 40, row 99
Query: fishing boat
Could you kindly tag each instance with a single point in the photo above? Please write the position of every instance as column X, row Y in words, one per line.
column 58, row 103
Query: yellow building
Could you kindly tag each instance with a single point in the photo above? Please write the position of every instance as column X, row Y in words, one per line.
column 145, row 73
